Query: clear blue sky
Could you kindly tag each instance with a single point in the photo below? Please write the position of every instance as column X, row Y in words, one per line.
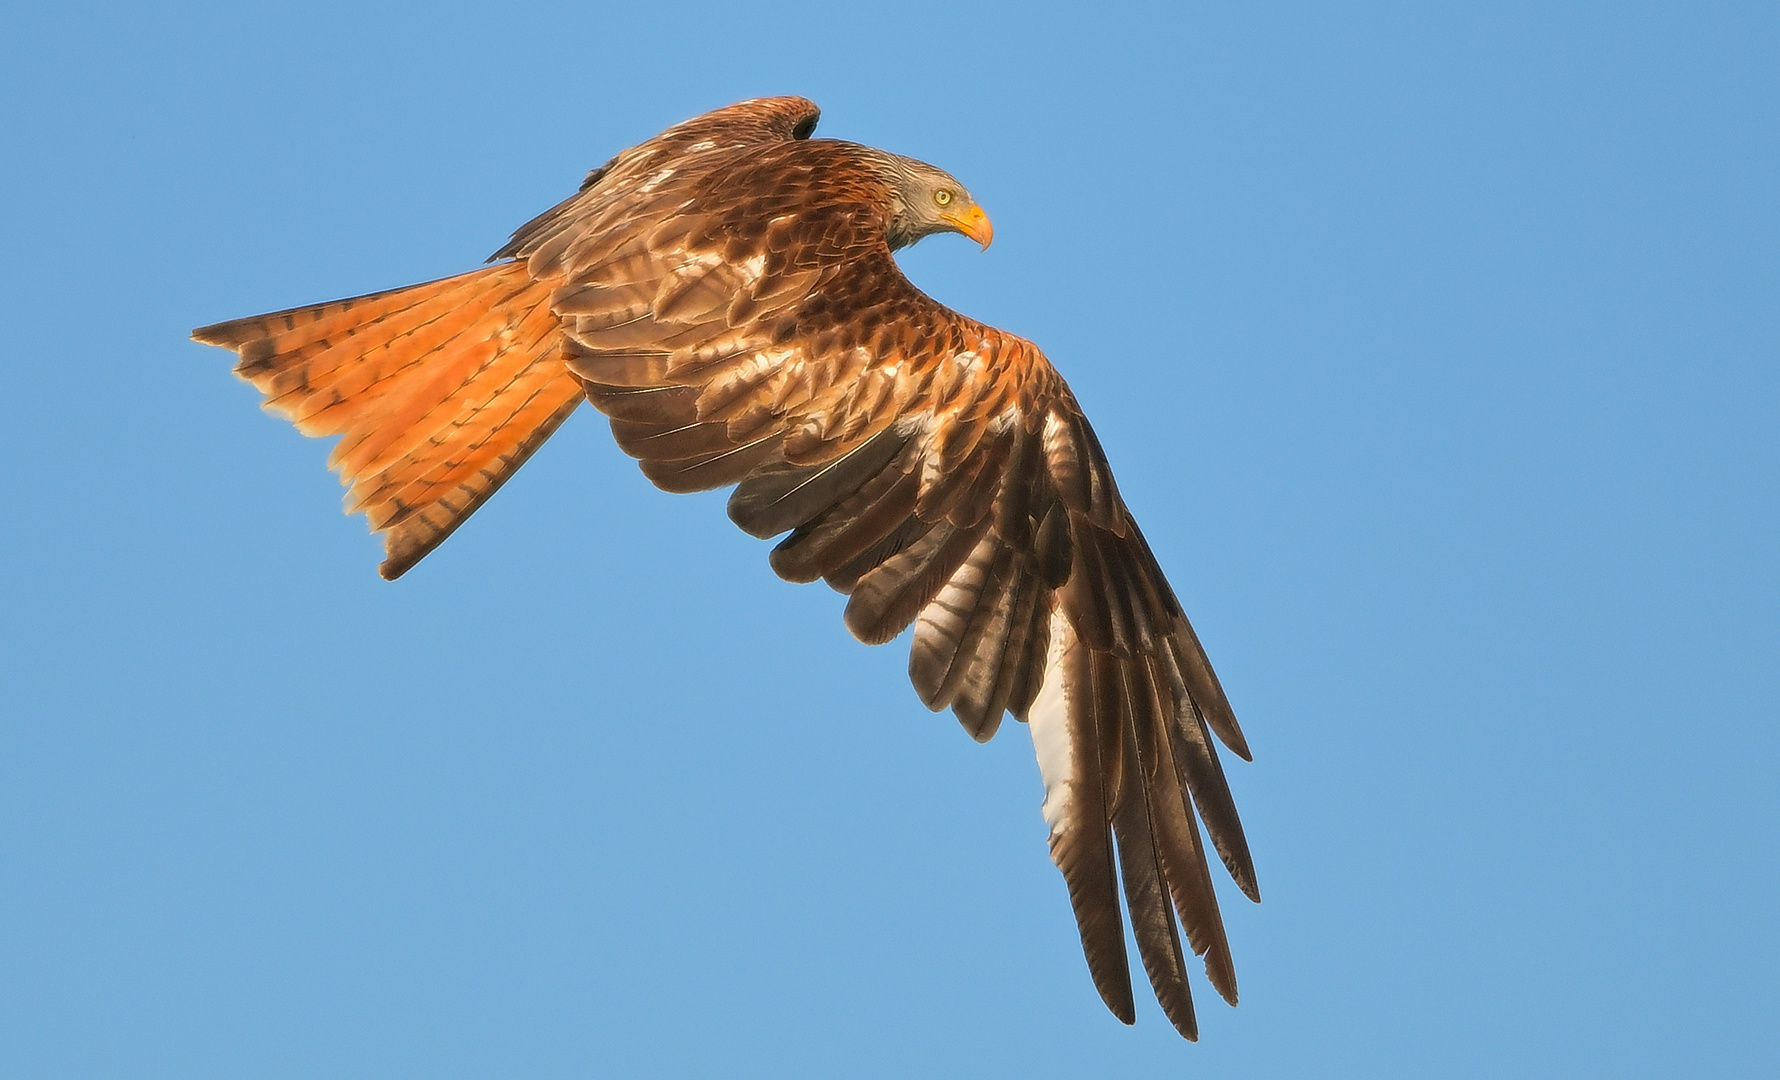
column 1435, row 346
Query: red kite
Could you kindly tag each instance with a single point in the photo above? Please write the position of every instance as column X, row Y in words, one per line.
column 726, row 293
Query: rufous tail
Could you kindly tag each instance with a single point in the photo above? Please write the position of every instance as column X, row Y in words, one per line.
column 440, row 391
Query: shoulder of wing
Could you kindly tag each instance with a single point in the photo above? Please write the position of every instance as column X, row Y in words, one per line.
column 627, row 181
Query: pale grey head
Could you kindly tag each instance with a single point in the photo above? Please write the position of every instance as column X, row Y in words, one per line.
column 928, row 200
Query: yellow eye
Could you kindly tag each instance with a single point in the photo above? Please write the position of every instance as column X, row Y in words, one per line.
column 943, row 197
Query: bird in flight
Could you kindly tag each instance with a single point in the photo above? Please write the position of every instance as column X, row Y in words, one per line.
column 726, row 294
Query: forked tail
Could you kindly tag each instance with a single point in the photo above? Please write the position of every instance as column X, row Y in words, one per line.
column 439, row 390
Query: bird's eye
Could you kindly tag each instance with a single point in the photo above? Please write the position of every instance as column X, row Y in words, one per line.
column 943, row 197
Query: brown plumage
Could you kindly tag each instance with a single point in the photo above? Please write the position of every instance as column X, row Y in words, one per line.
column 726, row 294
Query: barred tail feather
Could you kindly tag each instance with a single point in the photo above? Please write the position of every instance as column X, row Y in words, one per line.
column 440, row 392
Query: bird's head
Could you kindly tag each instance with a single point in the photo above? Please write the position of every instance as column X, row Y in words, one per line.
column 927, row 200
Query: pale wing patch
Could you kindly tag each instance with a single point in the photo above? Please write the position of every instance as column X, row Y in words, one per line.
column 1049, row 721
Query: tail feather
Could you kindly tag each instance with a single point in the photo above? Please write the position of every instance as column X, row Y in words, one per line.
column 440, row 392
column 444, row 388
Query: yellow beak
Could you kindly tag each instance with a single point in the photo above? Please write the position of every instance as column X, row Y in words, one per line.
column 972, row 223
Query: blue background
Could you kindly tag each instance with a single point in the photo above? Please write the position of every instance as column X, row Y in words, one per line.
column 1435, row 346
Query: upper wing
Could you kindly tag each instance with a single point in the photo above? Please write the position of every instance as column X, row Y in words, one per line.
column 441, row 390
column 637, row 183
column 940, row 472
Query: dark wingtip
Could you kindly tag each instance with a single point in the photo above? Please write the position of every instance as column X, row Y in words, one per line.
column 1230, row 734
column 1126, row 1011
column 1207, row 692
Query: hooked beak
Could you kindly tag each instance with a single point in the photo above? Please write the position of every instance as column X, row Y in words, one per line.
column 972, row 223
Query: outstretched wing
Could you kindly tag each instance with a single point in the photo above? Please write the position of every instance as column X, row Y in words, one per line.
column 759, row 333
